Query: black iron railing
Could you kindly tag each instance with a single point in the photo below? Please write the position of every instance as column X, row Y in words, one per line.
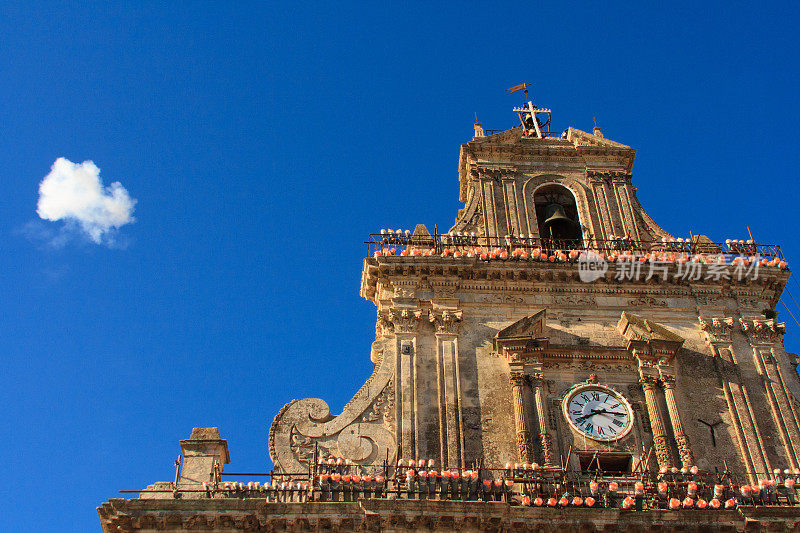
column 395, row 243
column 525, row 485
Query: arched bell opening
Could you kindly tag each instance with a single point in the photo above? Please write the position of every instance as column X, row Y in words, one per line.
column 557, row 213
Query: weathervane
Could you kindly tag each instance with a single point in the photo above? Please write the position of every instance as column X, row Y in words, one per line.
column 532, row 125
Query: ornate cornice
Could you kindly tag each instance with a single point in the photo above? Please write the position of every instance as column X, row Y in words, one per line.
column 464, row 274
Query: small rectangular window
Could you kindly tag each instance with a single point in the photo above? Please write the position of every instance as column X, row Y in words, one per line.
column 611, row 463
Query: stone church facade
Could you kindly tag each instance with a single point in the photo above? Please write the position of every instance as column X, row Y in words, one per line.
column 554, row 335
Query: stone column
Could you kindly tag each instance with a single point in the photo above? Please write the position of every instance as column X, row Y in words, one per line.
column 446, row 322
column 403, row 322
column 650, row 386
column 684, row 449
column 519, row 382
column 540, row 397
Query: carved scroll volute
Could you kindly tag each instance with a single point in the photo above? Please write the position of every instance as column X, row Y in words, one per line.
column 363, row 432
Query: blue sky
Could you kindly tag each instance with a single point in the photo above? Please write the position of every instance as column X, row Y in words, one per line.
column 262, row 143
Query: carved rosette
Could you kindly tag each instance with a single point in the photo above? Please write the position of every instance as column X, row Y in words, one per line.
column 446, row 321
column 762, row 331
column 717, row 329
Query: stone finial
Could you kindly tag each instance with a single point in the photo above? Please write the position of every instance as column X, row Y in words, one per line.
column 479, row 130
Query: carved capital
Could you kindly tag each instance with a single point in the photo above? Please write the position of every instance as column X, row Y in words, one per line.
column 536, row 379
column 762, row 331
column 668, row 381
column 716, row 329
column 399, row 320
column 446, row 321
column 518, row 379
column 649, row 382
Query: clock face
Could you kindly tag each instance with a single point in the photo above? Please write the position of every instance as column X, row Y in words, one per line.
column 598, row 412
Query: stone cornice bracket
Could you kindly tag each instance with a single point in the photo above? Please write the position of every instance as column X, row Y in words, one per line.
column 496, row 172
column 446, row 321
column 717, row 329
column 762, row 330
column 523, row 340
column 401, row 320
column 649, row 341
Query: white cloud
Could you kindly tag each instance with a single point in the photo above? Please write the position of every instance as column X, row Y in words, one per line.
column 73, row 193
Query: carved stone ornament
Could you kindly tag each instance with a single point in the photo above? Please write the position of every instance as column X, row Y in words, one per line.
column 446, row 321
column 716, row 329
column 400, row 320
column 359, row 433
column 762, row 330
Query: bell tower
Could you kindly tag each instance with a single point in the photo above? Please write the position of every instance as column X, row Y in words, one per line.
column 534, row 183
column 554, row 343
column 555, row 322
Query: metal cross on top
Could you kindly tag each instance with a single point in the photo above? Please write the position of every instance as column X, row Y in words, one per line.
column 532, row 125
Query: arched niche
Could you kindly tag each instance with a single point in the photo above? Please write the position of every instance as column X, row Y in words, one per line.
column 557, row 213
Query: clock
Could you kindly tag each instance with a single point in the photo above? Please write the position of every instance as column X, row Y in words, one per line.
column 598, row 412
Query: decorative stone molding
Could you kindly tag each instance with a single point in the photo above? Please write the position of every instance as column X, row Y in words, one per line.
column 446, row 321
column 716, row 329
column 762, row 331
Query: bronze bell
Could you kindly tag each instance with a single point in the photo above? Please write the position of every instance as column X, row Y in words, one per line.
column 557, row 224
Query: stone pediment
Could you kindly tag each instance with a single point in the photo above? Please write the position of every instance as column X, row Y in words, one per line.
column 530, row 326
column 645, row 337
column 582, row 138
column 522, row 337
